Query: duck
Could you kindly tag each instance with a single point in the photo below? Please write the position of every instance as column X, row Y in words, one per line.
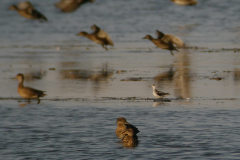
column 123, row 125
column 170, row 38
column 27, row 92
column 26, row 9
column 130, row 139
column 185, row 2
column 67, row 6
column 157, row 93
column 168, row 45
column 99, row 36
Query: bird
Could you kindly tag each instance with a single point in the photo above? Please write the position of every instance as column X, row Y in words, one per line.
column 130, row 139
column 27, row 92
column 157, row 93
column 170, row 38
column 99, row 36
column 71, row 5
column 26, row 9
column 168, row 45
column 185, row 2
column 123, row 125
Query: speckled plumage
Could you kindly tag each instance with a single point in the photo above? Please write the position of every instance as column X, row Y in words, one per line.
column 122, row 126
column 130, row 139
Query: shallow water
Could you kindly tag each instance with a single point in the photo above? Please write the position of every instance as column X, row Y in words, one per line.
column 88, row 88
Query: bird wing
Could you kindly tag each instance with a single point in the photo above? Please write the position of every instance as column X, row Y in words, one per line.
column 37, row 14
column 175, row 40
column 160, row 34
column 133, row 127
column 64, row 3
column 103, row 35
column 160, row 93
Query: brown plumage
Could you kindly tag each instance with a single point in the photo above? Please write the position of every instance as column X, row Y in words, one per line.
column 123, row 125
column 99, row 36
column 168, row 45
column 185, row 2
column 25, row 9
column 27, row 92
column 130, row 139
column 71, row 5
column 170, row 38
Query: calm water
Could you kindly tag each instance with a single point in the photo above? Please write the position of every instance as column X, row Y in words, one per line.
column 88, row 88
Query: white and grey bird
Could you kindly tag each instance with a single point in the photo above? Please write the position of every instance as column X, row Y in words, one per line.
column 158, row 94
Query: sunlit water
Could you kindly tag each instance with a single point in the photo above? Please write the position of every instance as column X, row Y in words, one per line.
column 88, row 88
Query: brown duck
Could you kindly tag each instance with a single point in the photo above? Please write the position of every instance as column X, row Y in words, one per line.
column 99, row 36
column 27, row 92
column 168, row 45
column 122, row 126
column 26, row 10
column 185, row 2
column 130, row 139
column 71, row 5
column 170, row 38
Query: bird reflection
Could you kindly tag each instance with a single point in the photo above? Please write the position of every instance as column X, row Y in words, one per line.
column 182, row 76
column 71, row 5
column 34, row 75
column 102, row 75
column 165, row 75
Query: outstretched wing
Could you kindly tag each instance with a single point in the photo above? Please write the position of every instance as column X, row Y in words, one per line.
column 175, row 40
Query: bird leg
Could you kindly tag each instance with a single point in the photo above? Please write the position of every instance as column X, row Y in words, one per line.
column 105, row 47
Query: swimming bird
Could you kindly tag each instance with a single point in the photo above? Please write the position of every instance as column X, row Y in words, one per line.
column 168, row 45
column 170, row 38
column 27, row 92
column 99, row 36
column 158, row 94
column 185, row 2
column 130, row 139
column 123, row 125
column 25, row 9
column 71, row 5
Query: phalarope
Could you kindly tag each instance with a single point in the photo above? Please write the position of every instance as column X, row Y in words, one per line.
column 158, row 94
